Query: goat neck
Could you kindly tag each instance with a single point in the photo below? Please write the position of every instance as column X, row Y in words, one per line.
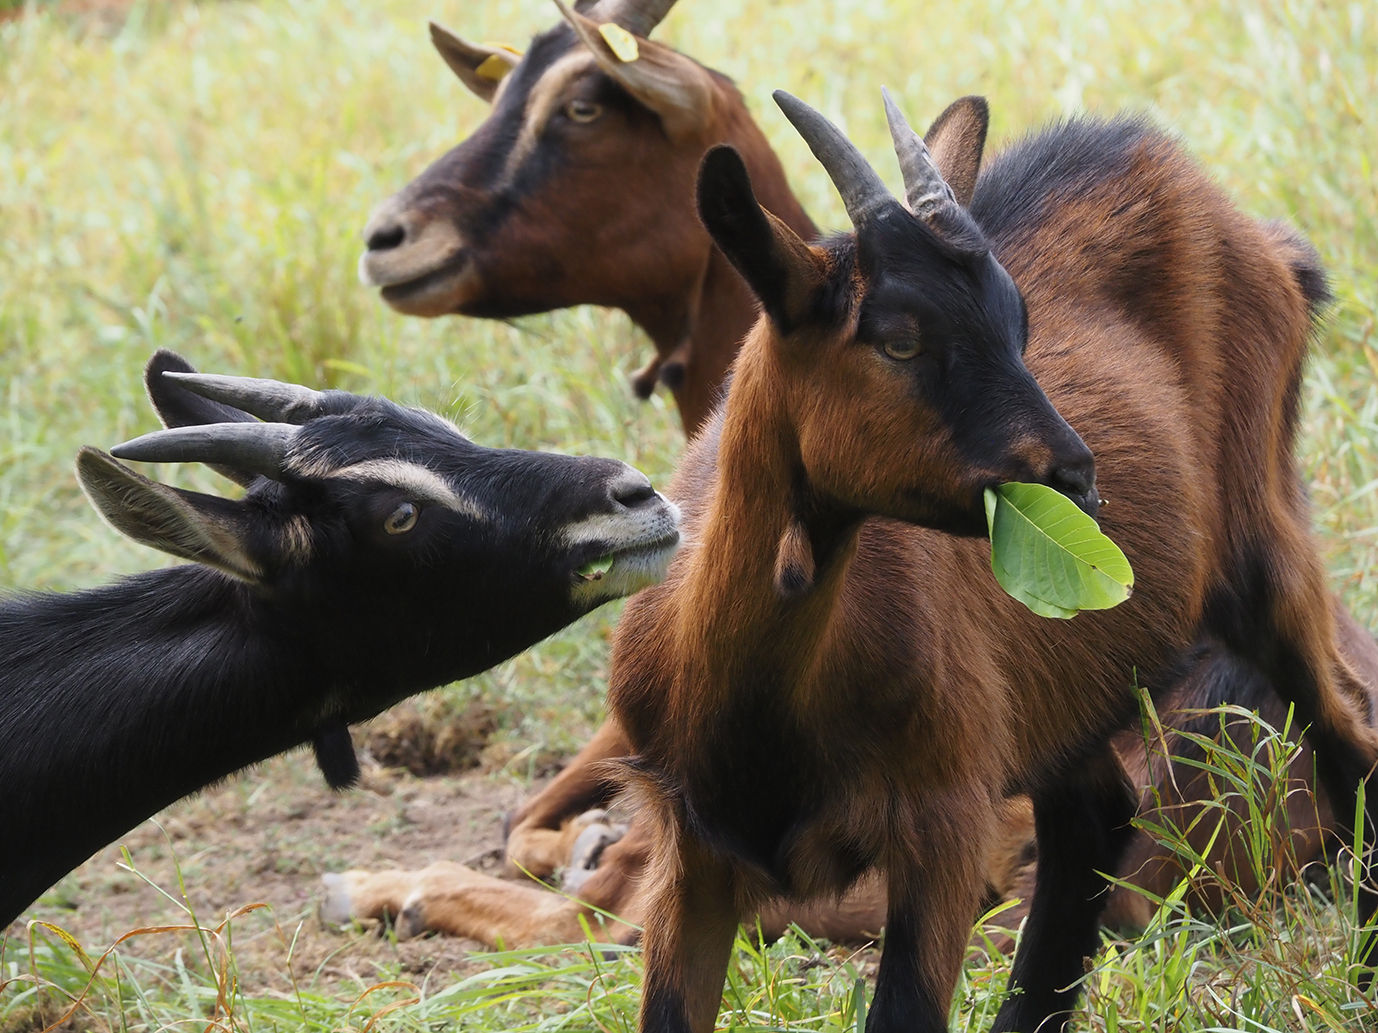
column 774, row 552
column 94, row 738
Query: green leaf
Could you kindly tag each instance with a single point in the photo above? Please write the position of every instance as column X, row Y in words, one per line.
column 1049, row 555
column 594, row 570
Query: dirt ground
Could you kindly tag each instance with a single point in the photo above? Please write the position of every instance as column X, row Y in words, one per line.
column 266, row 836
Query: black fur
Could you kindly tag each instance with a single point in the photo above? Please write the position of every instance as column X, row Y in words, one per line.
column 902, row 1004
column 1083, row 827
column 116, row 702
column 335, row 755
column 1065, row 159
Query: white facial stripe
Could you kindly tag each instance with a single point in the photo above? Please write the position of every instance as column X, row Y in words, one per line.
column 422, row 483
column 541, row 103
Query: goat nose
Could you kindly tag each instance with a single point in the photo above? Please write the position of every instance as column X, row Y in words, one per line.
column 386, row 237
column 1076, row 478
column 633, row 489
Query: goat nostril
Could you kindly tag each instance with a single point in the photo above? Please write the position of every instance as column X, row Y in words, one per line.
column 632, row 495
column 386, row 238
column 1074, row 478
column 1077, row 480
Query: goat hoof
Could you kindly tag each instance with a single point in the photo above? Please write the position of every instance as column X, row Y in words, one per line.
column 337, row 907
column 572, row 880
column 411, row 921
column 586, row 853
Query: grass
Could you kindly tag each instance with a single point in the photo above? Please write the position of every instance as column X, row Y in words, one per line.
column 1279, row 960
column 197, row 176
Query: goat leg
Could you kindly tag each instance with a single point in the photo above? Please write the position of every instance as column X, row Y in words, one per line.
column 449, row 898
column 540, row 835
column 691, row 922
column 928, row 920
column 1082, row 825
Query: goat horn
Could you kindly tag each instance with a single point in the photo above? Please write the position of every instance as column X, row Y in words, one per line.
column 639, row 17
column 257, row 447
column 861, row 188
column 270, row 400
column 925, row 190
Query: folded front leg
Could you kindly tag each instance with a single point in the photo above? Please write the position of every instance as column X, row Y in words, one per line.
column 543, row 829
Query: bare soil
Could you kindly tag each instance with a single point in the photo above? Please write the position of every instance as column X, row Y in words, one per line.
column 266, row 836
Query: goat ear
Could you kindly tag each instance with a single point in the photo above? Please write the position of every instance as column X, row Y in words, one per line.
column 478, row 66
column 678, row 89
column 956, row 140
column 197, row 527
column 781, row 269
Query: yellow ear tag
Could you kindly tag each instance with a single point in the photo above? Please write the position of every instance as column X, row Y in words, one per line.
column 620, row 42
column 493, row 67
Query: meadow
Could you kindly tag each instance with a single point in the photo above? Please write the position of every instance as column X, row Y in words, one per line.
column 197, row 176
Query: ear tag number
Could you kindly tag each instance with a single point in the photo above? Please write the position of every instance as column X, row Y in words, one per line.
column 620, row 42
column 1051, row 556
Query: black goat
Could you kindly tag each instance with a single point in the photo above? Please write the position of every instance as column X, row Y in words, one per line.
column 377, row 553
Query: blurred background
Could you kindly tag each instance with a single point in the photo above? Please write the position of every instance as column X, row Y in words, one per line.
column 197, row 176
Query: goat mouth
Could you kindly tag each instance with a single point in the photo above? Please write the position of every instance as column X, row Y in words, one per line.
column 1088, row 502
column 437, row 292
column 626, row 569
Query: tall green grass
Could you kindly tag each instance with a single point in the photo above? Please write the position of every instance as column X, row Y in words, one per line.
column 197, row 176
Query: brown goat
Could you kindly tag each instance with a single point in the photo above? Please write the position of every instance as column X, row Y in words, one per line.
column 565, row 828
column 485, row 264
column 830, row 680
column 546, row 827
column 1206, row 504
column 578, row 189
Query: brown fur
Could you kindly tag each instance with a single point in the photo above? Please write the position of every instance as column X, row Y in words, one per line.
column 613, row 225
column 1170, row 330
column 540, row 845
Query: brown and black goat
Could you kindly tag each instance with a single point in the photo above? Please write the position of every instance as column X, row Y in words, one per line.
column 578, row 189
column 462, row 238
column 377, row 553
column 830, row 680
column 567, row 828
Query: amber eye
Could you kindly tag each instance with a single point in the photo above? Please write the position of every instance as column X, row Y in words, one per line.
column 402, row 519
column 583, row 110
column 904, row 348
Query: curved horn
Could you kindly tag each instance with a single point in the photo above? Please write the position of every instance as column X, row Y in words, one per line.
column 270, row 400
column 924, row 187
column 258, row 447
column 639, row 17
column 180, row 408
column 861, row 188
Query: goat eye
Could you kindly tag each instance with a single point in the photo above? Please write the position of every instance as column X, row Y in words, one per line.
column 402, row 519
column 904, row 348
column 583, row 110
